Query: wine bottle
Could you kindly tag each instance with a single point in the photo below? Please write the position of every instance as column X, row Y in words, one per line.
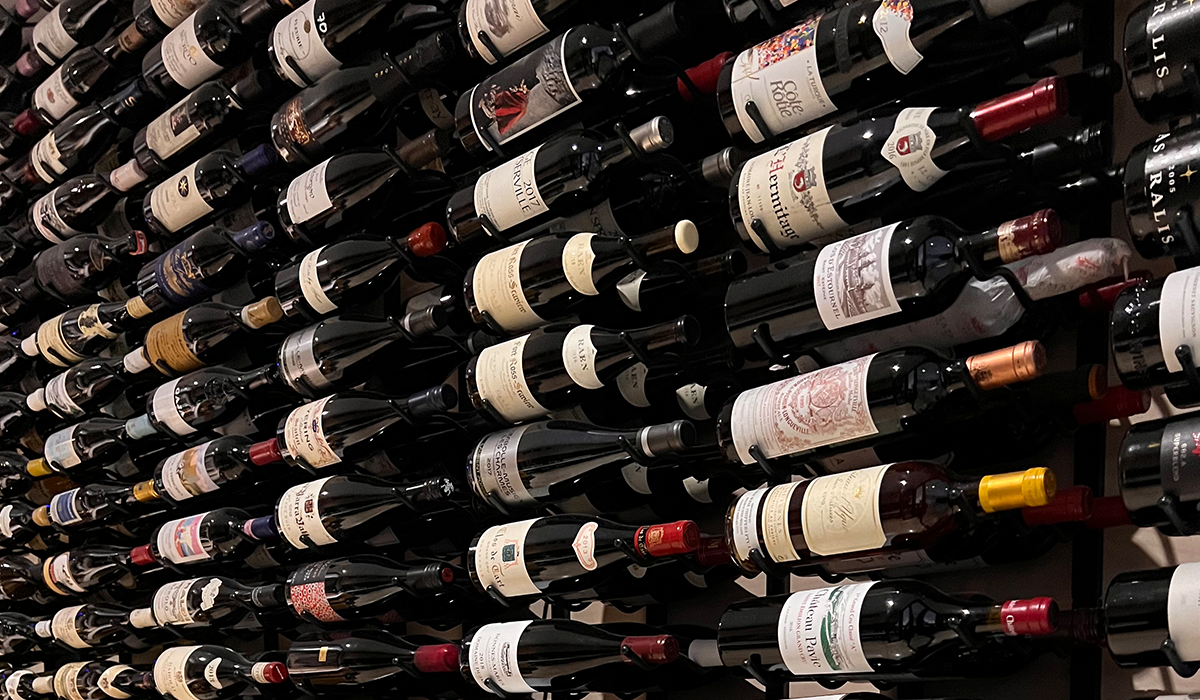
column 76, row 270
column 350, row 272
column 555, row 367
column 1151, row 325
column 202, row 335
column 320, row 35
column 1158, row 464
column 341, row 352
column 209, row 672
column 653, row 293
column 16, row 525
column 14, row 365
column 17, row 635
column 550, row 461
column 197, row 401
column 74, row 207
column 12, row 40
column 350, row 425
column 221, row 535
column 367, row 656
column 826, row 196
column 22, row 299
column 546, row 279
column 361, row 587
column 355, row 508
column 567, row 552
column 79, row 333
column 84, row 388
column 85, row 75
column 204, row 468
column 200, row 47
column 24, row 684
column 1154, row 64
column 870, row 630
column 903, row 272
column 20, row 579
column 877, row 397
column 94, row 442
column 86, row 626
column 208, row 601
column 100, row 680
column 69, row 24
column 153, row 19
column 200, row 265
column 558, row 656
column 566, row 173
column 93, row 503
column 214, row 183
column 86, row 569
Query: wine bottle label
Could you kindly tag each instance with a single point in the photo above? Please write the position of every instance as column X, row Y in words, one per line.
column 1177, row 316
column 184, row 58
column 584, row 546
column 64, row 508
column 298, row 515
column 306, row 593
column 744, row 522
column 434, row 109
column 852, row 279
column 57, row 396
column 500, row 379
column 691, row 401
column 53, row 346
column 53, row 97
column 57, row 574
column 637, row 478
column 298, row 364
column 60, row 451
column 782, row 77
column 509, row 24
column 910, row 149
column 579, row 357
column 66, row 684
column 1183, row 605
column 495, row 468
column 170, row 604
column 508, row 194
column 172, row 131
column 524, row 94
column 500, row 559
column 12, row 685
column 819, row 631
column 177, row 202
column 892, row 23
column 179, row 278
column 493, row 654
column 496, row 286
column 577, row 259
column 167, row 345
column 46, row 159
column 1179, row 459
column 109, row 677
column 304, row 435
column 48, row 222
column 786, row 190
column 185, row 475
column 63, row 627
column 50, row 39
column 632, row 385
column 170, row 673
column 6, row 522
column 301, row 37
column 629, row 289
column 310, row 283
column 308, row 194
column 774, row 521
column 180, row 542
column 166, row 409
column 172, row 12
column 824, row 407
column 840, row 512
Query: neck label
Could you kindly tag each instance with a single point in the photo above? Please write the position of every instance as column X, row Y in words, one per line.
column 579, row 357
column 910, row 149
column 892, row 23
column 577, row 260
column 109, row 678
column 852, row 280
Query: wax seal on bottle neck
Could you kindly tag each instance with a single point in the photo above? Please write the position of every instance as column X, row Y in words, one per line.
column 1071, row 505
column 1005, row 366
column 141, row 556
column 681, row 537
column 265, row 452
column 1033, row 616
column 1030, row 488
column 436, row 658
column 657, row 649
column 1036, row 234
column 427, row 239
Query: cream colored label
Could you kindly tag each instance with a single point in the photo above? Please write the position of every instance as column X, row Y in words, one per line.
column 840, row 512
column 496, row 285
column 508, row 194
column 298, row 515
column 172, row 12
column 308, row 194
column 509, row 24
column 500, row 378
column 170, row 604
column 304, row 435
column 579, row 357
column 184, row 474
column 1179, row 316
column 46, row 159
column 53, row 98
column 166, row 409
column 65, row 684
column 48, row 222
column 776, row 530
column 910, row 149
column 745, row 523
column 852, row 279
column 819, row 631
column 63, row 627
column 577, row 260
column 184, row 58
column 50, row 39
column 109, row 677
column 493, row 655
column 310, row 283
column 170, row 673
column 300, row 36
column 500, row 559
column 176, row 202
column 172, row 131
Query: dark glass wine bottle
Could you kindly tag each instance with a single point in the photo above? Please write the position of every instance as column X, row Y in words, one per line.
column 367, row 656
column 94, row 442
column 93, row 503
column 350, row 272
column 216, row 182
column 21, row 580
column 16, row 419
column 86, row 626
column 84, row 76
column 201, row 46
column 1145, row 612
column 567, row 173
column 361, row 587
column 1159, row 465
column 210, row 672
column 153, row 19
column 101, row 680
column 78, row 269
column 320, row 35
column 1151, row 324
column 204, row 468
column 22, row 299
column 17, row 527
column 547, row 278
column 197, row 401
column 79, row 333
column 14, row 481
column 202, row 335
column 205, row 601
column 84, row 388
column 222, row 535
column 74, row 207
column 555, row 367
column 25, row 684
column 69, row 24
column 1155, row 69
column 17, row 635
column 87, row 568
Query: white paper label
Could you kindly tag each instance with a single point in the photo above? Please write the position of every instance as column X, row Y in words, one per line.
column 172, row 12
column 910, row 149
column 46, row 159
column 509, row 24
column 179, row 540
column 744, row 527
column 579, row 357
column 892, row 23
column 496, row 285
column 167, row 411
column 500, row 559
column 577, row 259
column 1183, row 606
column 48, row 222
column 12, row 684
column 1179, row 316
column 793, row 416
column 50, row 39
column 184, row 474
column 786, row 190
column 63, row 627
column 493, row 655
column 211, row 673
column 301, row 36
column 66, row 684
column 298, row 515
column 304, row 435
column 310, row 283
column 500, row 378
column 6, row 529
column 632, row 385
column 494, row 468
column 308, row 194
column 508, row 194
column 109, row 677
column 782, row 78
column 852, row 280
column 840, row 512
column 184, row 58
column 177, row 203
column 170, row 673
column 172, row 131
column 59, row 449
column 53, row 98
column 57, row 396
column 299, row 366
column 170, row 603
column 637, row 478
column 58, row 575
column 819, row 631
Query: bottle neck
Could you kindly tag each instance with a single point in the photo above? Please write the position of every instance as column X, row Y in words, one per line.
column 1036, row 617
column 427, row 493
column 265, row 597
column 253, row 238
column 672, row 334
column 132, row 246
column 128, row 106
column 1017, row 111
column 1015, row 240
column 258, row 378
